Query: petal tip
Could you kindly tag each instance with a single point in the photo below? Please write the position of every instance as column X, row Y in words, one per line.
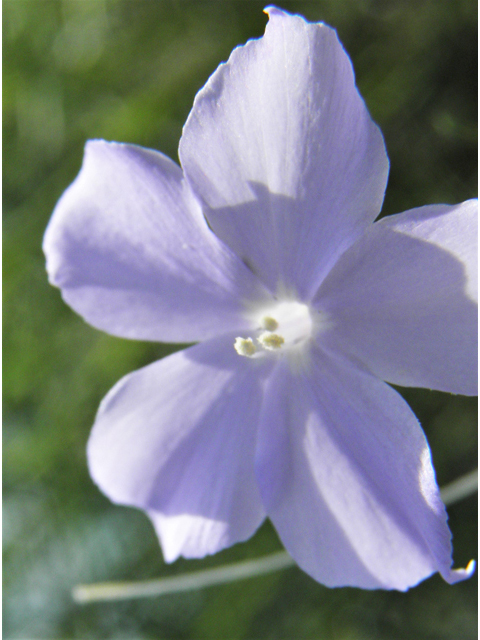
column 457, row 575
column 272, row 10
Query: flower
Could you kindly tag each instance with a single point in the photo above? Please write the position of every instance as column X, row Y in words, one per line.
column 263, row 249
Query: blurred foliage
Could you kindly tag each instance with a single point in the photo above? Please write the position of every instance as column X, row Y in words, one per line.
column 128, row 71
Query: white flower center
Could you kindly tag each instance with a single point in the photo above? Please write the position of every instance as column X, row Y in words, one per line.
column 281, row 327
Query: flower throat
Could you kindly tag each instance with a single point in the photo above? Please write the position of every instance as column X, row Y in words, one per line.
column 277, row 328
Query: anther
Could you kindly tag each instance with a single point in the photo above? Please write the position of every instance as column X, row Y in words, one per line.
column 269, row 324
column 245, row 347
column 271, row 341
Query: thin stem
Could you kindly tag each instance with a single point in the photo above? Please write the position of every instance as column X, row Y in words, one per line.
column 460, row 488
column 185, row 582
column 451, row 493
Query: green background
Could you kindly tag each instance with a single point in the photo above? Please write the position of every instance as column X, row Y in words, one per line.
column 128, row 71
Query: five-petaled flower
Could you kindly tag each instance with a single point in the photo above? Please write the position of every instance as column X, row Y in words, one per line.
column 263, row 249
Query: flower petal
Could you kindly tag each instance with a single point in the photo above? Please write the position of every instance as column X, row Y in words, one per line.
column 280, row 146
column 403, row 298
column 177, row 439
column 345, row 474
column 130, row 250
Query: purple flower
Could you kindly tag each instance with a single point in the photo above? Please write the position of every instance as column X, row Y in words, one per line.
column 261, row 248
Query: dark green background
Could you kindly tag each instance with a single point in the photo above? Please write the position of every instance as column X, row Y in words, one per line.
column 128, row 71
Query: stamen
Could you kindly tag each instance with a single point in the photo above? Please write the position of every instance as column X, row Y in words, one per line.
column 271, row 341
column 284, row 327
column 245, row 347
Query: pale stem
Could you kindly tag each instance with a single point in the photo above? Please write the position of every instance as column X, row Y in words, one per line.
column 185, row 582
column 451, row 493
column 460, row 488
